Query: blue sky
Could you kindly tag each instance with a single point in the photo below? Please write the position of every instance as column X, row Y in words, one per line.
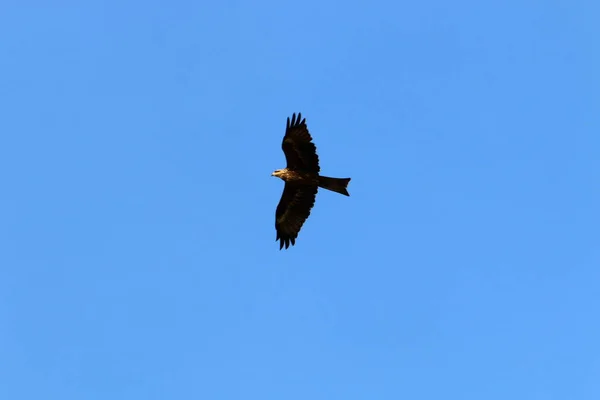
column 138, row 255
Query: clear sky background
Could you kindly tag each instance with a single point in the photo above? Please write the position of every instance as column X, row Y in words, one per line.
column 138, row 256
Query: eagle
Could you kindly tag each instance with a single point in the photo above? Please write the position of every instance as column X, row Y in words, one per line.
column 302, row 180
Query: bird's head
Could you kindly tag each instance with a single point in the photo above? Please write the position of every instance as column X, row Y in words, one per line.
column 277, row 172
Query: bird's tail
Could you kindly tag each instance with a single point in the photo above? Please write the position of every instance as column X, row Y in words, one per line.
column 337, row 185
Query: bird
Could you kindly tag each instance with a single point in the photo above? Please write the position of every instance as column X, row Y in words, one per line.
column 302, row 180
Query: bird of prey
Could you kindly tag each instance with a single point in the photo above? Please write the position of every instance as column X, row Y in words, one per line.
column 302, row 179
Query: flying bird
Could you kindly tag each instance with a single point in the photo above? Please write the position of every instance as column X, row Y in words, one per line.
column 302, row 180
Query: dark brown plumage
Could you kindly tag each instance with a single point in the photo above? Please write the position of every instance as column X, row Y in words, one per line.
column 302, row 181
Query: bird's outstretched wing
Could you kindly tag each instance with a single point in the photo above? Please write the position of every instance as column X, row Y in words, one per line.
column 300, row 152
column 293, row 209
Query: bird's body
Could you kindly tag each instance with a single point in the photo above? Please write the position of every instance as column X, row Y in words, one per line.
column 297, row 177
column 302, row 180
